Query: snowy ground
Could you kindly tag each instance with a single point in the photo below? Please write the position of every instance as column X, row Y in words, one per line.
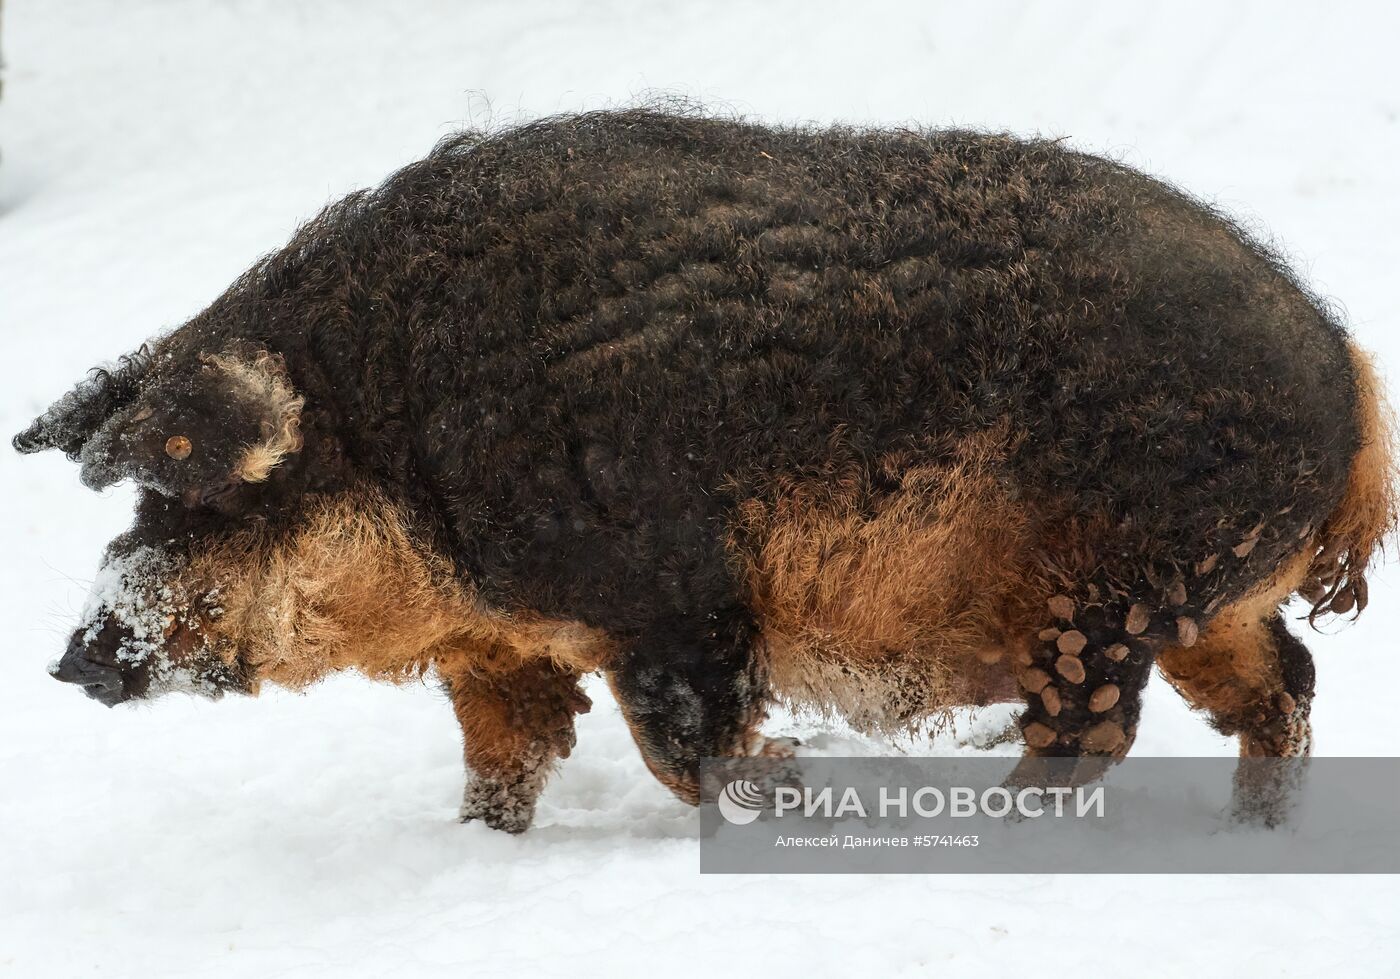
column 153, row 148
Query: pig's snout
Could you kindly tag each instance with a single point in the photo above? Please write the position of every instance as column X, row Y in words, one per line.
column 83, row 665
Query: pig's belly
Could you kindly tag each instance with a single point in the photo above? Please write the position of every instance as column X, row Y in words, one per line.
column 884, row 691
column 893, row 608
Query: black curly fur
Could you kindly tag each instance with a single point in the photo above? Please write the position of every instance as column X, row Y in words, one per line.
column 577, row 342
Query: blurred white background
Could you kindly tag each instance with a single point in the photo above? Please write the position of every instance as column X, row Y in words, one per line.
column 153, row 148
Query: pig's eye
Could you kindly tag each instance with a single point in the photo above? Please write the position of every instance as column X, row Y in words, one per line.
column 178, row 447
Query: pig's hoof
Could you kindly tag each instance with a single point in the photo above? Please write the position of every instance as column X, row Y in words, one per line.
column 778, row 748
column 500, row 805
column 1266, row 791
column 779, row 766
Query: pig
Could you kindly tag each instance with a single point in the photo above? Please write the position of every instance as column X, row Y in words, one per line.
column 870, row 422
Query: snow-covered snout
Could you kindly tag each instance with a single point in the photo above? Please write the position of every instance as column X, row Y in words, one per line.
column 149, row 627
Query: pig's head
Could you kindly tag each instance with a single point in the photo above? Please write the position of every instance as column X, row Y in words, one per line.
column 207, row 436
column 188, row 426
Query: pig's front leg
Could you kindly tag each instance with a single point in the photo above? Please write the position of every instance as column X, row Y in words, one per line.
column 515, row 725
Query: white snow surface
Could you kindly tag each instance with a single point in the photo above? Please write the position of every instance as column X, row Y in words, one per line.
column 152, row 149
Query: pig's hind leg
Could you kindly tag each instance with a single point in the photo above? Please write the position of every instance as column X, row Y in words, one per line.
column 1254, row 679
column 1084, row 673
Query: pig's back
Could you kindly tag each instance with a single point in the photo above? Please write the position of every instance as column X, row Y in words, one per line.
column 614, row 328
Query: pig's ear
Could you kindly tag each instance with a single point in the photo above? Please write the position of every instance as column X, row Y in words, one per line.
column 203, row 424
column 72, row 419
column 260, row 379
